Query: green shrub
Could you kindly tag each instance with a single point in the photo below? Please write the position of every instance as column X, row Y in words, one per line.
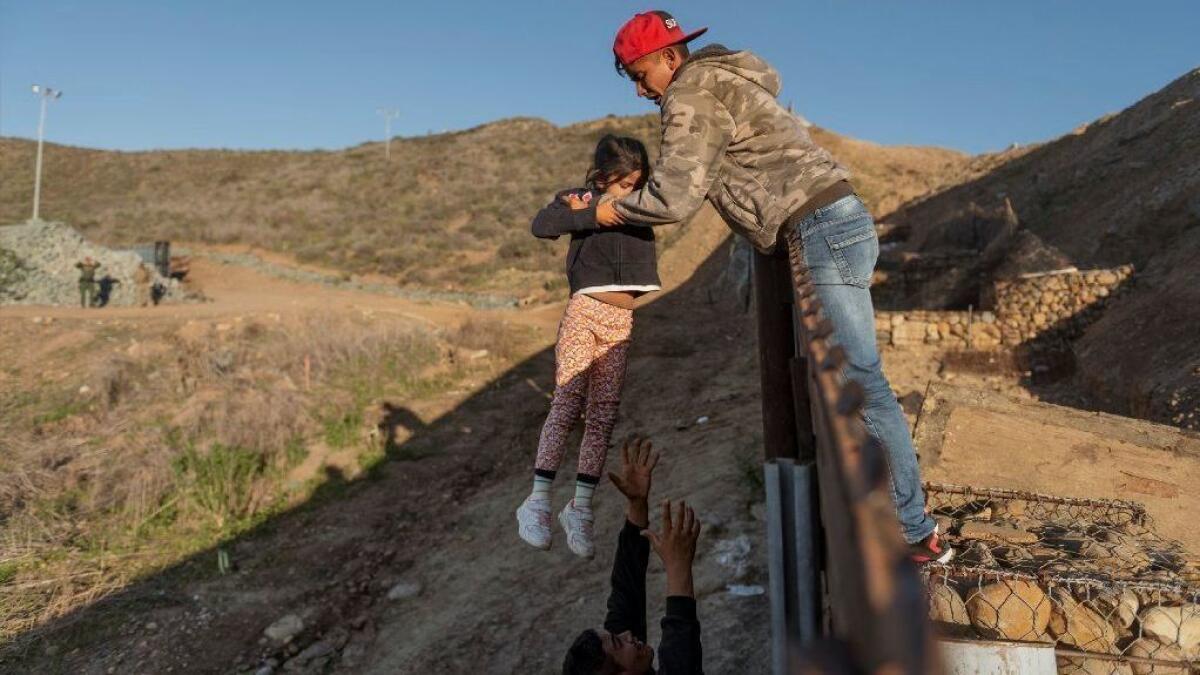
column 342, row 431
column 221, row 482
column 8, row 572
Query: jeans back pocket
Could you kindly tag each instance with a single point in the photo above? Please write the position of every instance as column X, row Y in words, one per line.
column 855, row 252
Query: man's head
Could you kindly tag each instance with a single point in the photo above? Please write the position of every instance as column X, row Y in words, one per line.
column 598, row 652
column 649, row 48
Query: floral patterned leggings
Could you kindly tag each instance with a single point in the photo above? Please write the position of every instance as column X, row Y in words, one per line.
column 593, row 343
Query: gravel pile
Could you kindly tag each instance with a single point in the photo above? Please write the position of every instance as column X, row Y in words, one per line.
column 37, row 267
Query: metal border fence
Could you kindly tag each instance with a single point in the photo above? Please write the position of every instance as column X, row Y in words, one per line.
column 845, row 596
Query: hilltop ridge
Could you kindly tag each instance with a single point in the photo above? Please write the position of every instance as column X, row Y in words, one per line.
column 449, row 211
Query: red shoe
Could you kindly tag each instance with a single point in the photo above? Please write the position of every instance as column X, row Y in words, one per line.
column 930, row 549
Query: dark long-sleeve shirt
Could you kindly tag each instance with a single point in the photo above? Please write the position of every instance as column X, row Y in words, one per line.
column 614, row 258
column 679, row 652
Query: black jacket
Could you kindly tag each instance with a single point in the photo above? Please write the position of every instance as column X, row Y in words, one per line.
column 598, row 256
column 679, row 652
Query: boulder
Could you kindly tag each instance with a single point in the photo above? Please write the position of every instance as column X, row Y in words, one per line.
column 1073, row 623
column 1147, row 648
column 37, row 267
column 946, row 606
column 1174, row 626
column 1010, row 609
column 1008, row 510
column 996, row 532
column 286, row 628
column 1119, row 608
column 405, row 590
column 1119, row 555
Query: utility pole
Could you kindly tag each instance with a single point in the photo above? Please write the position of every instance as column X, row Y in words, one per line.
column 388, row 114
column 46, row 94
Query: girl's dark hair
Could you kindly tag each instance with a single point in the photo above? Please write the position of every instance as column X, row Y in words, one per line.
column 617, row 156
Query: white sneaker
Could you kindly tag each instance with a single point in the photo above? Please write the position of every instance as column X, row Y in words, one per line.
column 533, row 522
column 577, row 523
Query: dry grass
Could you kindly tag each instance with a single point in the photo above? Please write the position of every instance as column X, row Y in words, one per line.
column 183, row 438
column 498, row 338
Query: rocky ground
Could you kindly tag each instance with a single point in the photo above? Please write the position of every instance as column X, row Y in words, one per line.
column 417, row 566
column 386, row 574
column 1122, row 190
column 37, row 267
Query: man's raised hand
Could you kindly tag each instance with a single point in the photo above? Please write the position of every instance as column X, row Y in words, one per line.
column 638, row 459
column 676, row 545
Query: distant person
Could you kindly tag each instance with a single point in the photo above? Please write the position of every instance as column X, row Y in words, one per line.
column 141, row 286
column 607, row 270
column 104, row 295
column 620, row 646
column 87, row 281
column 157, row 291
column 725, row 138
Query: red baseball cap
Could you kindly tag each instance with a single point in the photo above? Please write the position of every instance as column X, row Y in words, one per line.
column 649, row 32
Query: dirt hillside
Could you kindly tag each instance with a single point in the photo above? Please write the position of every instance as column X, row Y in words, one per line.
column 1123, row 189
column 448, row 212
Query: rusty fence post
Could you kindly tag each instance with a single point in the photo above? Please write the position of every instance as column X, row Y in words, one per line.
column 876, row 608
column 793, row 523
column 776, row 339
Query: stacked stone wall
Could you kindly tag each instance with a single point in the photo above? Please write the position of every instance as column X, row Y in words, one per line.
column 947, row 330
column 1028, row 308
column 1061, row 302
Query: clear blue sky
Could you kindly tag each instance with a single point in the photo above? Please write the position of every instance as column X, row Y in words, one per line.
column 966, row 74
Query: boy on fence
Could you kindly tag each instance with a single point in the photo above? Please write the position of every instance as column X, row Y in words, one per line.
column 725, row 138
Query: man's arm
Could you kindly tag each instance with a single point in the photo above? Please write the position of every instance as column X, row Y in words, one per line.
column 696, row 131
column 627, row 600
column 680, row 650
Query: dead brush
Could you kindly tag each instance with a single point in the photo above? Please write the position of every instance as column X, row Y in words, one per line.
column 497, row 337
column 262, row 412
column 173, row 449
column 341, row 343
column 116, row 379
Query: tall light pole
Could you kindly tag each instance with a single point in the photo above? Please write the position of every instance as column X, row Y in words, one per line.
column 388, row 114
column 46, row 94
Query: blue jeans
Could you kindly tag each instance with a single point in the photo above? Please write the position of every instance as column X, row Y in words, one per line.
column 841, row 247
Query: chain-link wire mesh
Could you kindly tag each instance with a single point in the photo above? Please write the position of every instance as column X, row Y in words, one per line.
column 1091, row 576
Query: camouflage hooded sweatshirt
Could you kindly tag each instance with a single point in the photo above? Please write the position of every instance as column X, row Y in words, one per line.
column 726, row 138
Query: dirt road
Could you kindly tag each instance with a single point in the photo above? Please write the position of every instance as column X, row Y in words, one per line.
column 232, row 290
